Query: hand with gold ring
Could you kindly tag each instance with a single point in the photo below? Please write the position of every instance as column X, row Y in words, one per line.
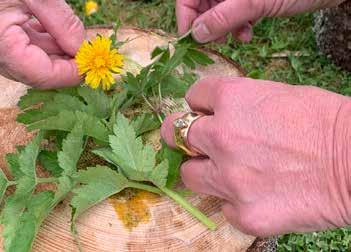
column 277, row 154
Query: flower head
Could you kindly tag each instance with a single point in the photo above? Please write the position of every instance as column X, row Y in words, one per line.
column 98, row 61
column 91, row 7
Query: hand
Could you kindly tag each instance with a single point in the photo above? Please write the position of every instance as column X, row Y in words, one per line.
column 213, row 19
column 277, row 154
column 39, row 51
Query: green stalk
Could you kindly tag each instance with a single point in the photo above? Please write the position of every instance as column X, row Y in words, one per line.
column 144, row 187
column 190, row 208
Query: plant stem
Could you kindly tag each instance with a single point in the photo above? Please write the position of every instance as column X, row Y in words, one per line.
column 190, row 208
column 152, row 108
column 145, row 187
column 11, row 183
column 47, row 180
column 160, row 93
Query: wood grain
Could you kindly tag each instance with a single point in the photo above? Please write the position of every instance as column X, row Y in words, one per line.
column 170, row 228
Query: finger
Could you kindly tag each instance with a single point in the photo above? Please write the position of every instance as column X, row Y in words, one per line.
column 36, row 25
column 186, row 12
column 60, row 22
column 45, row 72
column 220, row 20
column 43, row 40
column 203, row 95
column 244, row 34
column 201, row 176
column 199, row 134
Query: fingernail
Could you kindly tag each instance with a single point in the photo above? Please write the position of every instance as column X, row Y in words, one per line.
column 201, row 33
column 245, row 35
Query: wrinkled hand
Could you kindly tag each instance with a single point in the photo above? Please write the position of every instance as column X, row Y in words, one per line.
column 213, row 19
column 39, row 51
column 277, row 154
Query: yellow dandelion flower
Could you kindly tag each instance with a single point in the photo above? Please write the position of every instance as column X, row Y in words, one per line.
column 98, row 61
column 91, row 7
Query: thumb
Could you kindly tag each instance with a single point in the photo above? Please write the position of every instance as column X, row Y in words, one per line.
column 60, row 22
column 227, row 16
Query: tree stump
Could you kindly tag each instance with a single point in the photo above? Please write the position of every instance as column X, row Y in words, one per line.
column 129, row 221
column 332, row 29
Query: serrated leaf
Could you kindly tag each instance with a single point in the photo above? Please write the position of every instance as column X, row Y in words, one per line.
column 118, row 99
column 28, row 157
column 48, row 160
column 145, row 123
column 175, row 60
column 64, row 187
column 99, row 183
column 158, row 175
column 116, row 102
column 157, row 51
column 72, row 149
column 16, row 204
column 189, row 62
column 107, row 154
column 35, row 96
column 199, row 57
column 3, row 185
column 50, row 108
column 30, row 221
column 175, row 159
column 137, row 161
column 33, row 115
column 174, row 86
column 12, row 160
column 65, row 121
column 98, row 103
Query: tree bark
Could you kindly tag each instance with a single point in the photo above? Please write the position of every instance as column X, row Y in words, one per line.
column 333, row 34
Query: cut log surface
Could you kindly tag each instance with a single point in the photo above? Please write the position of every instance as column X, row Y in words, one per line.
column 156, row 224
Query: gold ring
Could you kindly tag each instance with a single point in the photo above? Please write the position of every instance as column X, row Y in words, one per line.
column 182, row 126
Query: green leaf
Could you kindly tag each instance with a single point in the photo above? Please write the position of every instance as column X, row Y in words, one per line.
column 12, row 161
column 3, row 185
column 175, row 60
column 117, row 101
column 35, row 96
column 157, row 51
column 107, row 154
column 98, row 103
column 174, row 86
column 175, row 159
column 145, row 123
column 48, row 160
column 158, row 175
column 199, row 57
column 72, row 149
column 99, row 183
column 50, row 108
column 33, row 115
column 28, row 157
column 65, row 121
column 137, row 161
column 29, row 222
column 16, row 204
column 188, row 61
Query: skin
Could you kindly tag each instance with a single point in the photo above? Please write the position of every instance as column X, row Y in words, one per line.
column 212, row 19
column 39, row 51
column 276, row 154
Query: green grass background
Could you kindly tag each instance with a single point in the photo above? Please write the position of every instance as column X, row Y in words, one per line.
column 272, row 36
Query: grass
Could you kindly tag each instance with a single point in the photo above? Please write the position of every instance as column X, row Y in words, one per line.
column 259, row 58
